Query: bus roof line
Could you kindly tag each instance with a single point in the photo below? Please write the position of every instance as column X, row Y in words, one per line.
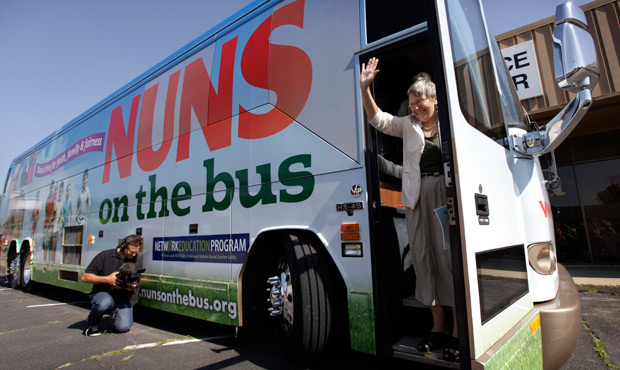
column 227, row 25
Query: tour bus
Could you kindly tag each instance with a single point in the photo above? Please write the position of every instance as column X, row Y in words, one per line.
column 247, row 164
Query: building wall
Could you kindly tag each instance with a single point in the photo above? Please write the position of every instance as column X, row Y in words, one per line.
column 587, row 213
column 603, row 24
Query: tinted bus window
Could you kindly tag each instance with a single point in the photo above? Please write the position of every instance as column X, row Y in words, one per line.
column 385, row 18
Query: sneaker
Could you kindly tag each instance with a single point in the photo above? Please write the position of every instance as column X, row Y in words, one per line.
column 113, row 316
column 93, row 331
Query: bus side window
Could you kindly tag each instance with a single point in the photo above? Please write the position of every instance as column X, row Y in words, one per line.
column 385, row 18
column 6, row 183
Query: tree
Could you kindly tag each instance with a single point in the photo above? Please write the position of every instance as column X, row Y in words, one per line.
column 611, row 195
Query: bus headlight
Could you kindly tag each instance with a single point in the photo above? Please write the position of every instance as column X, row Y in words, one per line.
column 541, row 257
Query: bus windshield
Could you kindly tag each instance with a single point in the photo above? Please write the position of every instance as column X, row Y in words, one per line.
column 487, row 97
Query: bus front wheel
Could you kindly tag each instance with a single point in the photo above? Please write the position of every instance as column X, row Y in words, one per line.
column 300, row 297
column 25, row 273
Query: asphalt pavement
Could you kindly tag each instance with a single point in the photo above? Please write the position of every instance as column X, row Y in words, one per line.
column 599, row 342
column 44, row 331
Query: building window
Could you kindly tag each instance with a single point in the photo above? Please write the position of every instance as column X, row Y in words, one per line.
column 587, row 214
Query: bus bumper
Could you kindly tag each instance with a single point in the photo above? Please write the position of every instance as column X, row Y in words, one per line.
column 560, row 321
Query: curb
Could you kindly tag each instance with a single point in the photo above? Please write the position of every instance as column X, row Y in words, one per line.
column 598, row 287
column 602, row 279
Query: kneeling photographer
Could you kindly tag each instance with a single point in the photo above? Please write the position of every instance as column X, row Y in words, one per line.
column 115, row 274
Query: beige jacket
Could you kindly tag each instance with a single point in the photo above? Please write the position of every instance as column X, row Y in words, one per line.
column 410, row 130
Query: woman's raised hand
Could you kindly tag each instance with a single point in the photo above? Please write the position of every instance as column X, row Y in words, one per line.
column 369, row 72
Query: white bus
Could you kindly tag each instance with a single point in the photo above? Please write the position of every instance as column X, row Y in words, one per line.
column 246, row 163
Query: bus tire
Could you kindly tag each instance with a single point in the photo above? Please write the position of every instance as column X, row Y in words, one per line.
column 301, row 298
column 25, row 273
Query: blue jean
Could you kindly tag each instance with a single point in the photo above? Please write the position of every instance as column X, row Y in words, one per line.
column 102, row 303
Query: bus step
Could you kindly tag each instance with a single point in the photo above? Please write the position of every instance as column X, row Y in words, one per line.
column 412, row 302
column 406, row 348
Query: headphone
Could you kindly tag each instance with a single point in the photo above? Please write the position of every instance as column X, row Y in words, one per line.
column 123, row 244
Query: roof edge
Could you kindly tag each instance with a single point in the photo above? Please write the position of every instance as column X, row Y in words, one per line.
column 548, row 20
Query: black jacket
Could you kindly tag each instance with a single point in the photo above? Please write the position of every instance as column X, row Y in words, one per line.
column 104, row 264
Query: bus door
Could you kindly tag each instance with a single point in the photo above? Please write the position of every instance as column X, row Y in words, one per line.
column 483, row 218
column 496, row 318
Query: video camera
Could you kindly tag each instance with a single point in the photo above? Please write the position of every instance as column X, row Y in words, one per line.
column 128, row 275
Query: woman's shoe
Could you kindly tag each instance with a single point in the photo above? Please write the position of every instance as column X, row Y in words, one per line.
column 451, row 352
column 432, row 341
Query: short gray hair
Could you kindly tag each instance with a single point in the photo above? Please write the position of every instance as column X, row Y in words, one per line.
column 422, row 85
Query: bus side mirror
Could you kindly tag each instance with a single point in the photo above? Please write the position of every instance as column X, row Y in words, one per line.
column 576, row 70
column 574, row 54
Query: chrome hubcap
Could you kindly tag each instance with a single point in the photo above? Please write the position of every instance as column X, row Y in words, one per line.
column 281, row 295
column 14, row 269
column 26, row 275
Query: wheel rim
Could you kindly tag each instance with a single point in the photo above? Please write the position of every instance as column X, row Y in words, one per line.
column 26, row 272
column 14, row 271
column 281, row 296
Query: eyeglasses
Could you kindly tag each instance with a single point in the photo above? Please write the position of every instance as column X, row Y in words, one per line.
column 418, row 104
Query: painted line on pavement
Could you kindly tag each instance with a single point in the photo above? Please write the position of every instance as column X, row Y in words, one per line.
column 54, row 304
column 175, row 342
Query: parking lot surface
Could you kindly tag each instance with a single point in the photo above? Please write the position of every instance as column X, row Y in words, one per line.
column 43, row 330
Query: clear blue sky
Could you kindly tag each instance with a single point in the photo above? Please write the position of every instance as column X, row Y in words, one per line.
column 59, row 58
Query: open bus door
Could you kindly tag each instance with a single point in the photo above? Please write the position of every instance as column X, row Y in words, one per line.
column 483, row 226
column 498, row 209
column 497, row 203
column 487, row 185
